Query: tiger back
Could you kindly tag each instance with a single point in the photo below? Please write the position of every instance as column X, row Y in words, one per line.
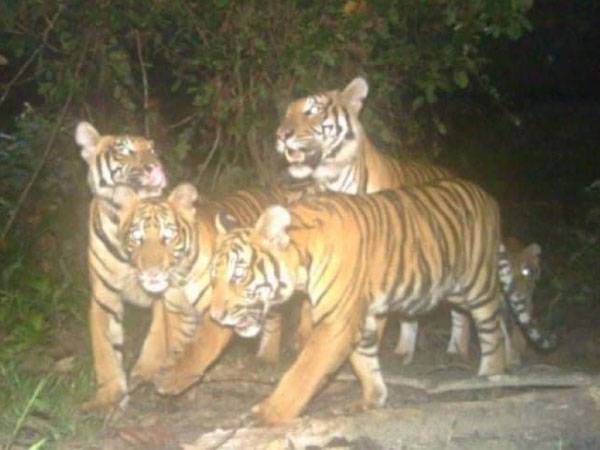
column 113, row 162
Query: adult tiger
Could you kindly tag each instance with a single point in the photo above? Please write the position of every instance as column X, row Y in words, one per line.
column 170, row 242
column 404, row 250
column 520, row 282
column 321, row 137
column 114, row 161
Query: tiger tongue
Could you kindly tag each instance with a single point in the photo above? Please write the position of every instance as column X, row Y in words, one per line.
column 157, row 177
column 294, row 155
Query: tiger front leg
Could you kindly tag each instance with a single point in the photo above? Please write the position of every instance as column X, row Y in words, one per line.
column 460, row 334
column 164, row 342
column 305, row 326
column 270, row 340
column 206, row 346
column 407, row 340
column 327, row 347
column 107, row 341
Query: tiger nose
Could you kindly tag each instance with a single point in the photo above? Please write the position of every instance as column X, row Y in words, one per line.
column 151, row 167
column 284, row 133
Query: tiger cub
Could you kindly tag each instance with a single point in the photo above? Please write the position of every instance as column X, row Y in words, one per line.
column 170, row 242
column 404, row 250
column 526, row 272
column 113, row 161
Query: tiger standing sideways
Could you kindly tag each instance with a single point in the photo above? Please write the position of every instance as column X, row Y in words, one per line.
column 114, row 162
column 170, row 242
column 321, row 137
column 404, row 250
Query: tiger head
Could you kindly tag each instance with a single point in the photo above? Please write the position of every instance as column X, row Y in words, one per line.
column 252, row 270
column 321, row 134
column 526, row 269
column 120, row 161
column 158, row 235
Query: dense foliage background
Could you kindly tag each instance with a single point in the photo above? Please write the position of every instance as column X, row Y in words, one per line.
column 208, row 81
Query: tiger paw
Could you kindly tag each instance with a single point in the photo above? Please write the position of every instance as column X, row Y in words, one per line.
column 107, row 401
column 266, row 413
column 406, row 358
column 269, row 358
column 141, row 375
column 173, row 382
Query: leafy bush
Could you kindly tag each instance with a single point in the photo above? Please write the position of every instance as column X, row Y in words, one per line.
column 208, row 81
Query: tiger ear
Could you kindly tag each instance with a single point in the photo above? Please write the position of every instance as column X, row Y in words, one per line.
column 532, row 253
column 355, row 93
column 184, row 196
column 271, row 226
column 87, row 138
column 225, row 222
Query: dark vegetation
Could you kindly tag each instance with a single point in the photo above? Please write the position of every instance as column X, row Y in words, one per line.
column 503, row 92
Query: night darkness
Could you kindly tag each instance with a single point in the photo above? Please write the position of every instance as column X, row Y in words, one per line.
column 525, row 126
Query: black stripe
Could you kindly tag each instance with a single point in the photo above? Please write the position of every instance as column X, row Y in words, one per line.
column 110, row 247
column 101, row 181
column 108, row 310
column 200, row 295
column 106, row 283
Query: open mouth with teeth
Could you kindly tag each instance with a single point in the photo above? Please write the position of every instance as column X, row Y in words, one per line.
column 294, row 156
column 310, row 157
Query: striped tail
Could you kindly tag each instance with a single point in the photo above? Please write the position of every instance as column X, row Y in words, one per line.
column 517, row 304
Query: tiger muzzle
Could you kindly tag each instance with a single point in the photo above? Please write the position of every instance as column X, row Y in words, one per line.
column 154, row 280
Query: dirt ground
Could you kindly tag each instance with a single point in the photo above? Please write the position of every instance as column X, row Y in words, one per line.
column 211, row 415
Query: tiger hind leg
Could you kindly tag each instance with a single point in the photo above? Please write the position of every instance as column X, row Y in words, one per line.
column 407, row 341
column 365, row 362
column 460, row 334
column 488, row 323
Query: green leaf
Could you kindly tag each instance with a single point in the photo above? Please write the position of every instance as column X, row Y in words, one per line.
column 418, row 103
column 461, row 78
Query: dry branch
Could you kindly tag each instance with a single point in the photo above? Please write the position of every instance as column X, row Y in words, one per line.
column 138, row 42
column 533, row 420
column 532, row 380
column 48, row 149
column 34, row 54
column 513, row 381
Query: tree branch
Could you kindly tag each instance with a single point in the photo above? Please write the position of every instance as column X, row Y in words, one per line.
column 33, row 55
column 49, row 146
column 138, row 42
